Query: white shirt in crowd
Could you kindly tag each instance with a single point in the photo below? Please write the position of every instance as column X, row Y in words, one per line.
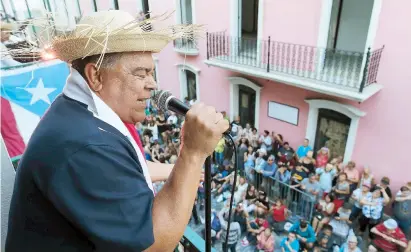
column 172, row 119
column 266, row 142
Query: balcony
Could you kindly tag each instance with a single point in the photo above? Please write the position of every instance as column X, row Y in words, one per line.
column 345, row 74
column 186, row 47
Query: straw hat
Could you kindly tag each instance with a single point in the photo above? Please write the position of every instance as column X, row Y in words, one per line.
column 117, row 31
column 7, row 26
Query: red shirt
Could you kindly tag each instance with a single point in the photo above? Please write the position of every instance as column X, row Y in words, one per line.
column 132, row 129
column 278, row 214
column 387, row 245
column 262, row 223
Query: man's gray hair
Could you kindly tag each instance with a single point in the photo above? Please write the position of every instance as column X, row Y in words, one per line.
column 108, row 61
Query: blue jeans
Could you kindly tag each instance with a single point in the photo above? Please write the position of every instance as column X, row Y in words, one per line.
column 219, row 157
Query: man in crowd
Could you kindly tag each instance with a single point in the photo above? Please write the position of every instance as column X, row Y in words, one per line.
column 388, row 237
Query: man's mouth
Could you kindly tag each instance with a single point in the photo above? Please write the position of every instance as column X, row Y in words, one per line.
column 142, row 101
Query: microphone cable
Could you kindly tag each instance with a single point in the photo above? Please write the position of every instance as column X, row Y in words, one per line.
column 230, row 138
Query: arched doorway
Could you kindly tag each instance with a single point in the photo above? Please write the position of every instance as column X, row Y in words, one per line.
column 330, row 121
column 244, row 100
column 332, row 132
column 246, row 105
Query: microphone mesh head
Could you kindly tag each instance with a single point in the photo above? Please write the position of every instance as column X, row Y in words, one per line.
column 160, row 99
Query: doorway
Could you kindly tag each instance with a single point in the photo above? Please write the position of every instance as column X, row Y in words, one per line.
column 248, row 27
column 332, row 132
column 349, row 25
column 246, row 105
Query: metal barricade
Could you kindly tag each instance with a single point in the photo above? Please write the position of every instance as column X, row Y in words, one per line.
column 299, row 203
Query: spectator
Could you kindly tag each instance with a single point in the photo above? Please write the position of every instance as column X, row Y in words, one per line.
column 261, row 204
column 402, row 210
column 385, row 183
column 303, row 149
column 388, row 237
column 241, row 189
column 341, row 222
column 322, row 157
column 250, row 196
column 326, row 177
column 249, row 162
column 219, row 151
column 357, row 196
column 290, row 243
column 234, row 234
column 351, row 245
column 278, row 142
column 326, row 209
column 253, row 137
column 342, row 188
column 172, row 119
column 283, row 175
column 278, row 217
column 286, row 154
column 268, row 171
column 325, row 239
column 240, row 216
column 353, row 175
column 372, row 208
column 305, row 234
column 366, row 178
column 265, row 241
column 308, row 162
column 266, row 141
column 259, row 225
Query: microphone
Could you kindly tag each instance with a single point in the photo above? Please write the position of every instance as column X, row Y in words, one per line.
column 166, row 101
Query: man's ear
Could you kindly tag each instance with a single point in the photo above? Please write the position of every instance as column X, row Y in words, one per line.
column 93, row 77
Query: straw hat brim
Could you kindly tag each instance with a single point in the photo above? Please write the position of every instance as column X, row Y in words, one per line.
column 69, row 49
column 5, row 26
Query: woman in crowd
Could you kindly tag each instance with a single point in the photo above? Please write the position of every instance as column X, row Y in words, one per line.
column 249, row 163
column 325, row 210
column 322, row 157
column 308, row 162
column 265, row 241
column 253, row 137
column 278, row 217
column 366, row 178
column 341, row 223
column 356, row 197
column 241, row 189
column 342, row 188
column 372, row 208
column 353, row 175
column 326, row 176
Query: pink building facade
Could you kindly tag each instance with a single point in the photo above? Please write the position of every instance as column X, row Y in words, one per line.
column 332, row 71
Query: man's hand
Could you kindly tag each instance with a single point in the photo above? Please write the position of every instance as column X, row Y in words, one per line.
column 203, row 128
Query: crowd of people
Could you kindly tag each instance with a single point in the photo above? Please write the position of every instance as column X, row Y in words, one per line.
column 346, row 204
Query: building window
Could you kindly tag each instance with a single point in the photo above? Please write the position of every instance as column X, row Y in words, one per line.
column 191, row 85
column 189, row 82
column 186, row 12
column 185, row 15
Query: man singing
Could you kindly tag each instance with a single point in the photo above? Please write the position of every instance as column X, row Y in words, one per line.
column 83, row 183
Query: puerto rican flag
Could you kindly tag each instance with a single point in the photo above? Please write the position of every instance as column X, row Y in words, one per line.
column 26, row 94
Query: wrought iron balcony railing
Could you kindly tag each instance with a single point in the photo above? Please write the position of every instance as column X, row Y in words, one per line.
column 353, row 70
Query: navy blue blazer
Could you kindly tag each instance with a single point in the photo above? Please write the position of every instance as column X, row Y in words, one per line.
column 79, row 187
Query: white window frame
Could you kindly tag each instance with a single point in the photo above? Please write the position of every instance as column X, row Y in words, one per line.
column 179, row 11
column 183, row 79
